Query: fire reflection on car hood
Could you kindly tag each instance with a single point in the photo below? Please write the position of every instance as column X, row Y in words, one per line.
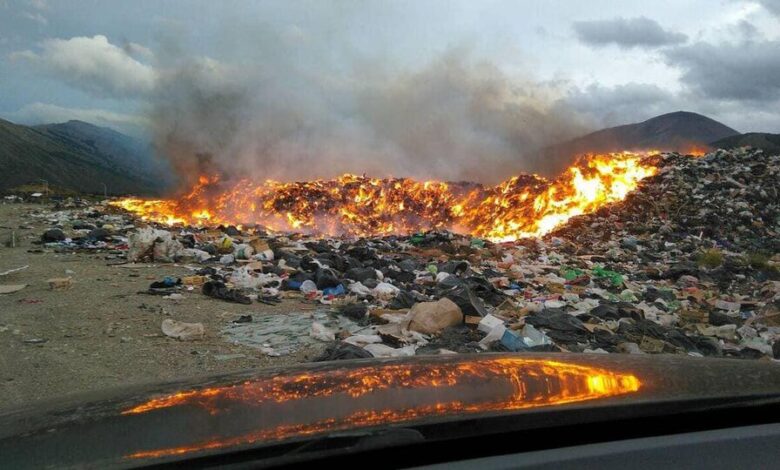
column 442, row 389
column 270, row 411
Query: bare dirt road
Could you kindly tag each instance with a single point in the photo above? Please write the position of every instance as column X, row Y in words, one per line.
column 102, row 333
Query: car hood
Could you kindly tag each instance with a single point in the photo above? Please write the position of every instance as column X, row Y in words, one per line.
column 139, row 425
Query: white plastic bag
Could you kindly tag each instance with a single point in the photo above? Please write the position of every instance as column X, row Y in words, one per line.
column 320, row 332
column 385, row 291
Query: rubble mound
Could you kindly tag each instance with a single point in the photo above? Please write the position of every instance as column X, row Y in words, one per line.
column 686, row 264
column 726, row 198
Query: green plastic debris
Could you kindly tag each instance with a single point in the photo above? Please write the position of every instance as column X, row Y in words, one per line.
column 571, row 274
column 615, row 277
column 673, row 305
column 477, row 243
column 417, row 238
column 628, row 296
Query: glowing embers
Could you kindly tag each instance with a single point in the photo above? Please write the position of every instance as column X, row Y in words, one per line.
column 322, row 401
column 522, row 206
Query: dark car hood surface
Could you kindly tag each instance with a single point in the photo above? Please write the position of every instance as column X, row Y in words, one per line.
column 161, row 423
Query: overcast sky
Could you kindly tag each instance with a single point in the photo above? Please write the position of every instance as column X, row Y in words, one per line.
column 595, row 63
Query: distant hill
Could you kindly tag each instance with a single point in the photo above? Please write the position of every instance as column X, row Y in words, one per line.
column 678, row 131
column 769, row 143
column 120, row 148
column 79, row 156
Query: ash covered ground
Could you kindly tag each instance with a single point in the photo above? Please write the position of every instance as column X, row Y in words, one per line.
column 686, row 264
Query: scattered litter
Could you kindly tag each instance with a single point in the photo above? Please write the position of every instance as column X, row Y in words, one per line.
column 196, row 281
column 487, row 323
column 320, row 332
column 219, row 290
column 284, row 334
column 183, row 331
column 35, row 341
column 342, row 351
column 14, row 270
column 60, row 283
column 11, row 288
column 432, row 317
column 227, row 357
column 381, row 350
column 687, row 264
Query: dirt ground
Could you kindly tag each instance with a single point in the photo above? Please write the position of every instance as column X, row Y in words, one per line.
column 101, row 332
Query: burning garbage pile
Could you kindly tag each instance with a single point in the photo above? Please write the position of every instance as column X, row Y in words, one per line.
column 521, row 206
column 684, row 260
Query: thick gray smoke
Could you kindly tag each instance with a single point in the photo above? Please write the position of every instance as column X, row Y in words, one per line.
column 287, row 111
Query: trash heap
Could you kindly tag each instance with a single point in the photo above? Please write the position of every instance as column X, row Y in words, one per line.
column 686, row 264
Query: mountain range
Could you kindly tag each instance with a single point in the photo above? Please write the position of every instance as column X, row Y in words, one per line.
column 769, row 143
column 82, row 157
column 79, row 156
column 679, row 131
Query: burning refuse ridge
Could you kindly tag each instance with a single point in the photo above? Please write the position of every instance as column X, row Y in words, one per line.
column 638, row 253
column 522, row 206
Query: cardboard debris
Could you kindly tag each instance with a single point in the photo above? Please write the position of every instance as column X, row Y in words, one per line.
column 60, row 283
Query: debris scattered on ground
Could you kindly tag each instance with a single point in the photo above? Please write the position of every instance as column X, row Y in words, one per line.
column 219, row 290
column 686, row 264
column 280, row 335
column 432, row 317
column 60, row 283
column 11, row 288
column 183, row 331
column 35, row 341
column 14, row 270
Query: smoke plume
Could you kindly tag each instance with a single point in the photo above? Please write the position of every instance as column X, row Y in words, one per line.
column 290, row 109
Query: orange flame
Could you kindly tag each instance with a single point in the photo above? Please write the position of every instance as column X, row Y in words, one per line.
column 522, row 206
column 531, row 383
column 695, row 150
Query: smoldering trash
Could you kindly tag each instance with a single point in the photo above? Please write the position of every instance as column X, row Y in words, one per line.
column 685, row 262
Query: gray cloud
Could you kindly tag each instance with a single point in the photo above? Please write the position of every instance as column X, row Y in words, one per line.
column 741, row 71
column 635, row 102
column 773, row 6
column 30, row 10
column 44, row 113
column 92, row 64
column 36, row 17
column 746, row 30
column 621, row 104
column 39, row 4
column 137, row 51
column 626, row 33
